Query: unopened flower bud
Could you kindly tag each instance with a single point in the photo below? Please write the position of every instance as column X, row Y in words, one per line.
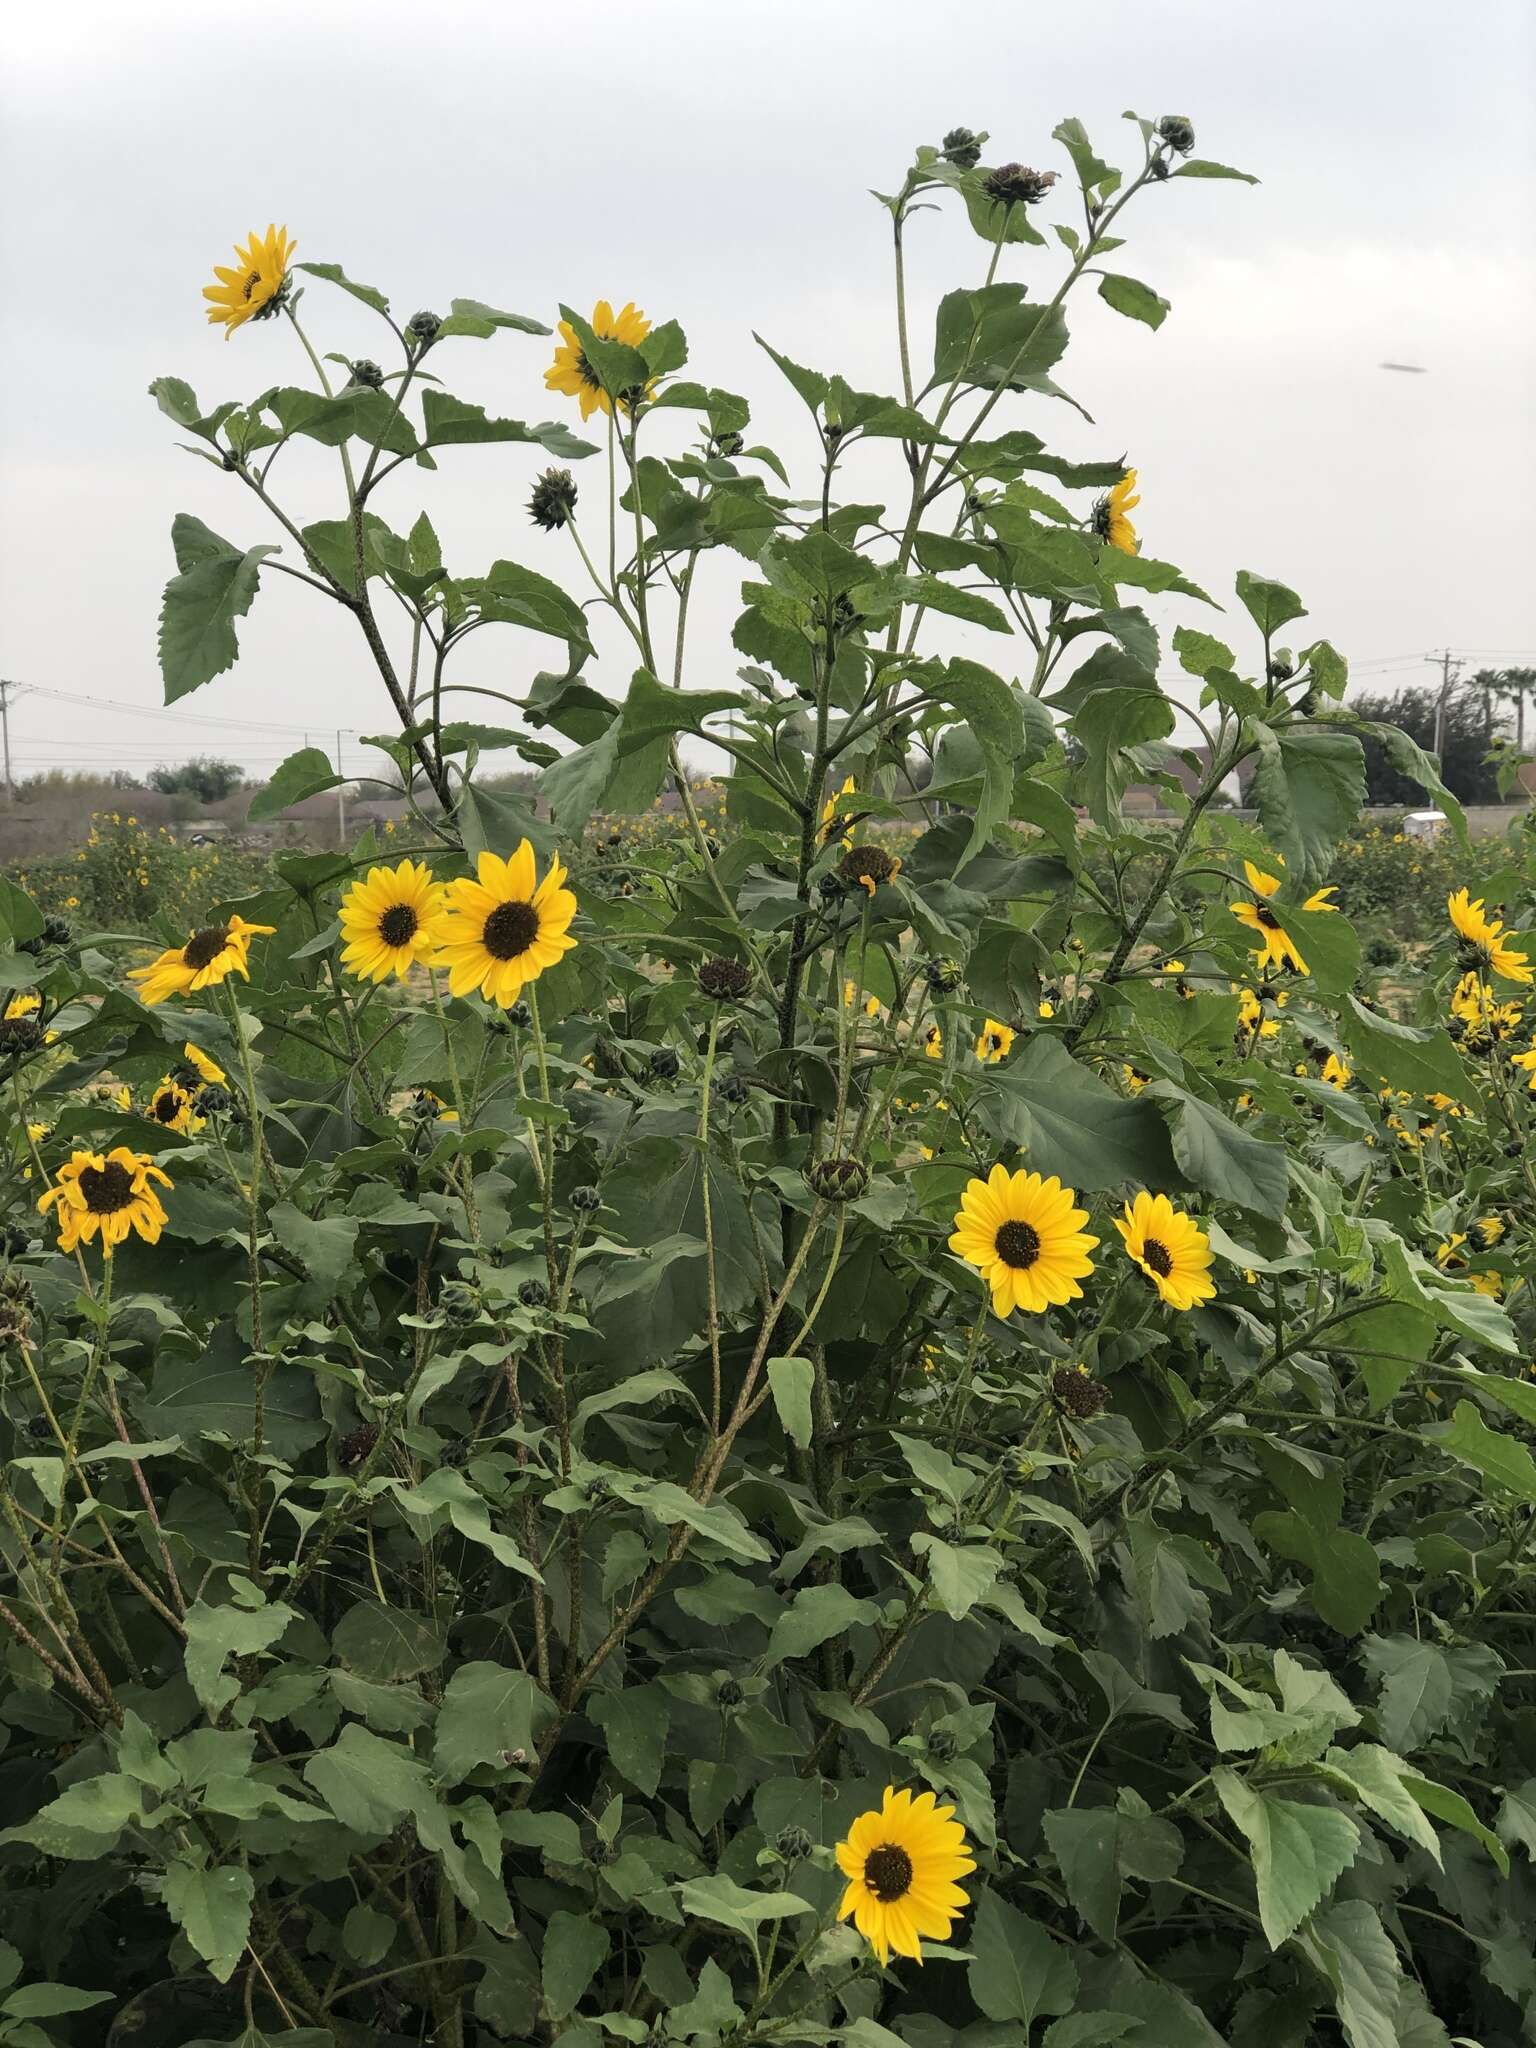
column 20, row 1035
column 367, row 374
column 729, row 1693
column 519, row 1015
column 962, row 146
column 1178, row 131
column 554, row 500
column 793, row 1844
column 533, row 1294
column 585, row 1199
column 1018, row 185
column 664, row 1063
column 942, row 975
column 422, row 328
column 838, row 1180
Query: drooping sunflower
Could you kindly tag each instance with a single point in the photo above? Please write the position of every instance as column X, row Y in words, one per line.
column 106, row 1194
column 1112, row 515
column 210, row 956
column 1170, row 1248
column 1025, row 1236
column 902, row 1861
column 571, row 373
column 171, row 1106
column 256, row 288
column 28, row 1004
column 1336, row 1072
column 389, row 921
column 210, row 1070
column 994, row 1042
column 503, row 929
column 1276, row 947
column 1487, row 938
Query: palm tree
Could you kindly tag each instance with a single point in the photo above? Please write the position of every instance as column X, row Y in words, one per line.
column 1517, row 682
column 1491, row 683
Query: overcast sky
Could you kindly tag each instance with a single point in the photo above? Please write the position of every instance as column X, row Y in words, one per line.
column 713, row 161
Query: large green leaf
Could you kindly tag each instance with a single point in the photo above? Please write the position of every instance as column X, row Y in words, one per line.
column 1068, row 1123
column 305, row 773
column 1016, row 1971
column 1309, row 786
column 212, row 1907
column 1100, row 1847
column 1221, row 1157
column 1298, row 1851
column 215, row 587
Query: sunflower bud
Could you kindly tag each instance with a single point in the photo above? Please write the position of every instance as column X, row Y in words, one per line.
column 728, row 444
column 664, row 1064
column 942, row 976
column 729, row 1693
column 1178, row 131
column 367, row 375
column 354, row 1447
column 533, row 1294
column 838, row 1180
column 1280, row 670
column 57, row 932
column 1018, row 185
column 585, row 1199
column 793, row 1844
column 459, row 1299
column 1078, row 1393
column 942, row 1746
column 962, row 146
column 19, row 1035
column 732, row 1088
column 422, row 328
column 214, row 1100
column 724, row 980
column 519, row 1015
column 17, row 1302
column 554, row 500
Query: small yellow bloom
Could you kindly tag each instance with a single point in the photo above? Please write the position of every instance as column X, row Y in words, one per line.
column 902, row 1862
column 1336, row 1073
column 1526, row 1061
column 933, row 1043
column 1135, row 1080
column 1276, row 947
column 835, row 812
column 209, row 957
column 210, row 1070
column 1449, row 1254
column 994, row 1042
column 171, row 1107
column 1487, row 1283
column 254, row 290
column 1170, row 1248
column 572, row 374
column 106, row 1194
column 1487, row 938
column 1112, row 515
column 1046, row 1008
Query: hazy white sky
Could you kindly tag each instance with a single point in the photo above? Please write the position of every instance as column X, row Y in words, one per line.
column 712, row 161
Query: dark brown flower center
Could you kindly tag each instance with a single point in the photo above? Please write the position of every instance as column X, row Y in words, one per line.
column 868, row 863
column 204, row 947
column 888, row 1873
column 1157, row 1255
column 1018, row 1244
column 106, row 1188
column 510, row 929
column 166, row 1108
column 586, row 373
column 398, row 925
column 252, row 282
column 1267, row 917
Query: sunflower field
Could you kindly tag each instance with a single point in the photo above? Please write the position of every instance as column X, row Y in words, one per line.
column 825, row 1434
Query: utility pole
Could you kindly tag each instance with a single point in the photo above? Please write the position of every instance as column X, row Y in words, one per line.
column 341, row 797
column 5, row 733
column 1450, row 675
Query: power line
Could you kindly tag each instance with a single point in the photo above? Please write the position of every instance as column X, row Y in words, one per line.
column 169, row 711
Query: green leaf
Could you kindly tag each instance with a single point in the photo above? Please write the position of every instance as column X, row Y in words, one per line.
column 213, row 1910
column 488, row 1712
column 1016, row 1971
column 1200, row 654
column 514, row 596
column 1269, row 605
column 1298, row 1851
column 455, row 422
column 1098, row 1848
column 334, row 274
column 813, row 1617
column 1309, row 788
column 1503, row 1459
column 960, row 1575
column 1201, row 167
column 47, row 2001
column 575, row 1949
column 1406, row 755
column 791, row 1380
column 1070, row 1124
column 1450, row 1807
column 385, row 1644
column 635, row 1723
column 469, row 316
column 215, row 1634
column 303, row 774
column 1351, row 1948
column 810, row 384
column 1402, row 1056
column 1108, row 722
column 1378, row 1780
column 1130, row 296
column 1220, row 1156
column 197, row 614
column 991, row 711
column 727, row 1904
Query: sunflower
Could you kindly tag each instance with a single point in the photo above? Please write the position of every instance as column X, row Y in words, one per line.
column 1526, row 1061
column 1045, row 1009
column 933, row 1042
column 1487, row 938
column 208, row 957
column 171, row 1106
column 571, row 373
column 901, row 1862
column 1025, row 1236
column 210, row 1070
column 994, row 1042
column 1170, row 1248
column 1276, row 948
column 1486, row 1232
column 836, row 818
column 1336, row 1072
column 1487, row 1283
column 1133, row 1077
column 258, row 285
column 106, row 1192
column 851, row 996
column 1112, row 515
column 504, row 929
column 389, row 922
column 1448, row 1256
column 28, row 1006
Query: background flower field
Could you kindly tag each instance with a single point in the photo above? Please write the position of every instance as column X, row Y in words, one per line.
column 863, row 1409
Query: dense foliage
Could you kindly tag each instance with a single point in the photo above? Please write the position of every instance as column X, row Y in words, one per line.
column 531, row 1400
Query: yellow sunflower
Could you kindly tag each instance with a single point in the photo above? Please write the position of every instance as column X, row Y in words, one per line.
column 1448, row 1255
column 209, row 957
column 1486, row 1232
column 1112, row 515
column 389, row 921
column 1488, row 938
column 28, row 1006
column 1275, row 946
column 504, row 929
column 836, row 816
column 994, row 1042
column 1487, row 1283
column 1025, row 1236
column 1336, row 1072
column 933, row 1042
column 902, row 1861
column 1170, row 1248
column 1526, row 1061
column 171, row 1106
column 1133, row 1077
column 571, row 373
column 256, row 287
column 109, row 1193
column 210, row 1070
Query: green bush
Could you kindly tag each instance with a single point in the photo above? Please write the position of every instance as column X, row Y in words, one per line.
column 645, row 1436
